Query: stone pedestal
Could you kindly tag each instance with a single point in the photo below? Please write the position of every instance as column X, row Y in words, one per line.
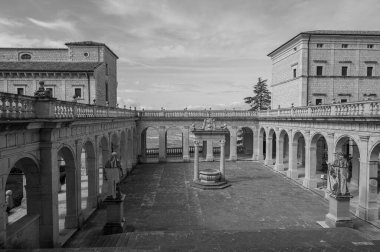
column 339, row 211
column 115, row 215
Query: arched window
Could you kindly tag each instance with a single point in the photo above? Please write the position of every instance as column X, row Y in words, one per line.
column 26, row 56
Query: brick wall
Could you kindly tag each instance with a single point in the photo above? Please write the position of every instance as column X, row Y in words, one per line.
column 12, row 54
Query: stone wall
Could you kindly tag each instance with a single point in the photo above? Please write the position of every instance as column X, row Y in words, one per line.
column 38, row 54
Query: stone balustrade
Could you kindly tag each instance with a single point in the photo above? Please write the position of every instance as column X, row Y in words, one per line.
column 16, row 107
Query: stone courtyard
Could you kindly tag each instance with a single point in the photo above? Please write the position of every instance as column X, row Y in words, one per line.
column 261, row 210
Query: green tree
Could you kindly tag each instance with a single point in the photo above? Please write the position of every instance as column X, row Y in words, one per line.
column 262, row 99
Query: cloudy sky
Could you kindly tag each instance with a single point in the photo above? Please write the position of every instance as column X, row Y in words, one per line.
column 181, row 53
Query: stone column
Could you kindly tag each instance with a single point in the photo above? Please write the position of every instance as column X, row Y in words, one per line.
column 162, row 144
column 77, row 190
column 292, row 170
column 92, row 185
column 222, row 158
column 260, row 145
column 330, row 159
column 210, row 151
column 143, row 146
column 196, row 160
column 367, row 207
column 136, row 142
column 185, row 145
column 233, row 147
column 268, row 156
column 49, row 176
column 310, row 163
column 279, row 166
column 255, row 153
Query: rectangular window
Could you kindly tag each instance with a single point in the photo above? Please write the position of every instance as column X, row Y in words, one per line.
column 319, row 45
column 370, row 46
column 20, row 91
column 78, row 92
column 318, row 101
column 294, row 73
column 369, row 71
column 107, row 92
column 319, row 70
column 50, row 90
column 344, row 45
column 344, row 70
column 343, row 100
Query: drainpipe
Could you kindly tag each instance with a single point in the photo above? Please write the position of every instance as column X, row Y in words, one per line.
column 308, row 70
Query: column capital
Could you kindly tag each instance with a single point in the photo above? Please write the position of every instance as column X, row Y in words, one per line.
column 196, row 142
column 277, row 129
column 186, row 127
column 222, row 142
column 364, row 138
column 331, row 134
column 162, row 127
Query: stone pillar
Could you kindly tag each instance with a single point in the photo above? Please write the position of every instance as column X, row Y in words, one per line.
column 233, row 147
column 268, row 156
column 292, row 170
column 310, row 180
column 49, row 176
column 196, row 160
column 143, row 146
column 185, row 145
column 279, row 166
column 162, row 144
column 210, row 152
column 330, row 159
column 77, row 190
column 255, row 154
column 260, row 145
column 136, row 142
column 3, row 213
column 367, row 207
column 92, row 185
column 222, row 158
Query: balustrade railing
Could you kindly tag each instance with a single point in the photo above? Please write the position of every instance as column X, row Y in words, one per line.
column 14, row 106
column 17, row 107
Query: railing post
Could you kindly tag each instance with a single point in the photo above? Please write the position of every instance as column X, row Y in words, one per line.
column 367, row 108
column 333, row 110
column 45, row 107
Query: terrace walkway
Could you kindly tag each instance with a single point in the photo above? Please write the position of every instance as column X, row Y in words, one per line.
column 262, row 209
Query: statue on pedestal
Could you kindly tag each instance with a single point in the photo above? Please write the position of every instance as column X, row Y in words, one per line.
column 209, row 124
column 338, row 174
column 112, row 174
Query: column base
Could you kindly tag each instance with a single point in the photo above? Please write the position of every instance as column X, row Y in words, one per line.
column 162, row 159
column 339, row 212
column 369, row 214
column 233, row 158
column 279, row 167
column 268, row 162
column 292, row 174
column 209, row 159
column 71, row 221
column 186, row 159
column 310, row 183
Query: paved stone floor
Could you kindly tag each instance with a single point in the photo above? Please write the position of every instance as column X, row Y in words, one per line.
column 262, row 210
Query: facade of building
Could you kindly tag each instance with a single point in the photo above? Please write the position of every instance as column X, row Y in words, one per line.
column 320, row 67
column 84, row 70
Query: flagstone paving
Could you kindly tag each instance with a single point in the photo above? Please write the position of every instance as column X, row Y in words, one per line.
column 161, row 206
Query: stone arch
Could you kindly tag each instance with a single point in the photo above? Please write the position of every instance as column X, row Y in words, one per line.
column 174, row 142
column 296, row 154
column 130, row 150
column 89, row 176
column 282, row 150
column 245, row 142
column 69, row 207
column 123, row 151
column 115, row 142
column 26, row 183
column 149, row 143
column 103, row 155
column 348, row 145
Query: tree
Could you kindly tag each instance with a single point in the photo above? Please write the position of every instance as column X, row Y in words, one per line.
column 262, row 98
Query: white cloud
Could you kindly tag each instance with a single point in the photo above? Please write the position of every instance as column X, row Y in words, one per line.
column 11, row 40
column 167, row 51
column 57, row 24
column 10, row 22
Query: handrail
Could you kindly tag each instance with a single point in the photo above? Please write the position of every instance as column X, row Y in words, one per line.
column 16, row 107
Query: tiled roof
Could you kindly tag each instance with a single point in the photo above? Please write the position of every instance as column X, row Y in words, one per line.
column 90, row 43
column 330, row 32
column 33, row 66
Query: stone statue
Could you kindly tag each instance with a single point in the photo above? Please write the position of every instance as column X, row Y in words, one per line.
column 192, row 127
column 42, row 92
column 338, row 175
column 208, row 124
column 112, row 174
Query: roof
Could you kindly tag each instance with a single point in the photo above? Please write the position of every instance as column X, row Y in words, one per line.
column 330, row 32
column 90, row 43
column 33, row 66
